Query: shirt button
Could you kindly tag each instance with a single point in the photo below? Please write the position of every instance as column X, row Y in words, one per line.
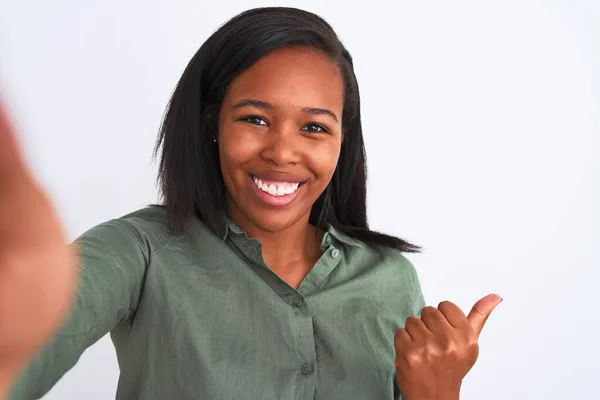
column 297, row 302
column 235, row 228
column 335, row 253
column 328, row 239
column 307, row 369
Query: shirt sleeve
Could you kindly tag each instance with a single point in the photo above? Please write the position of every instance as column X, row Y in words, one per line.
column 418, row 297
column 113, row 257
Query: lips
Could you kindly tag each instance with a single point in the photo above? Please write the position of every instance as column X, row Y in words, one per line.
column 276, row 189
column 275, row 176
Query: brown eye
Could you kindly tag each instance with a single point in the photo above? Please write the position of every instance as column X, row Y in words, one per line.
column 314, row 128
column 254, row 120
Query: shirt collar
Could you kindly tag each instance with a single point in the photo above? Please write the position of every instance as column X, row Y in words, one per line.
column 230, row 227
column 341, row 236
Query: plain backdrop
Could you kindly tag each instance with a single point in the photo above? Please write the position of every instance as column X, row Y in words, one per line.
column 482, row 127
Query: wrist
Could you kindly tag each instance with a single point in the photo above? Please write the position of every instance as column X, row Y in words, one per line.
column 453, row 395
column 445, row 394
column 442, row 396
column 450, row 394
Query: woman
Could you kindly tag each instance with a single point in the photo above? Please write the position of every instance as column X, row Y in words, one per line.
column 258, row 277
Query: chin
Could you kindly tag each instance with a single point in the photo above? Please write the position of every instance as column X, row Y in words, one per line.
column 273, row 221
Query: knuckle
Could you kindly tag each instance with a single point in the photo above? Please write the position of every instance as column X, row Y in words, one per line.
column 451, row 349
column 413, row 359
column 412, row 320
column 429, row 310
column 444, row 304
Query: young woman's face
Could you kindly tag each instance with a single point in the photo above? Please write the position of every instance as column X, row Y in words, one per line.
column 280, row 135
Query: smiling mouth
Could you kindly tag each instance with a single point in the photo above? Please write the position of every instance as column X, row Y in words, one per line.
column 276, row 188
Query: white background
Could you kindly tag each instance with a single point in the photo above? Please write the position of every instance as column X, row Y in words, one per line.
column 482, row 125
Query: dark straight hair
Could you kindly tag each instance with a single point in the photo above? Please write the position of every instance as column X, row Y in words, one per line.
column 189, row 177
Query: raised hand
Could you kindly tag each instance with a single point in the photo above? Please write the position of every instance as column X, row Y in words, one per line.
column 38, row 270
column 436, row 351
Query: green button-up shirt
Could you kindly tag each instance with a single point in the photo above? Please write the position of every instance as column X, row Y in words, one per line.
column 200, row 316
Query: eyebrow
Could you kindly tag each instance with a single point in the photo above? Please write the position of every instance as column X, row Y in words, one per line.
column 267, row 106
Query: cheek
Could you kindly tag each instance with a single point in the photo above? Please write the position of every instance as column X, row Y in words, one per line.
column 235, row 149
column 324, row 161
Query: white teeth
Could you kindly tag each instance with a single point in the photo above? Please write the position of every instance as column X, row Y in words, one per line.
column 276, row 190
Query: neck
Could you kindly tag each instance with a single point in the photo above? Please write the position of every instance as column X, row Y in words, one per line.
column 295, row 247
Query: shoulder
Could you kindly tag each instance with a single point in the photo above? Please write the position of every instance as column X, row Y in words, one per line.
column 383, row 257
column 400, row 263
column 377, row 257
column 396, row 264
column 148, row 219
column 396, row 276
column 146, row 227
column 407, row 278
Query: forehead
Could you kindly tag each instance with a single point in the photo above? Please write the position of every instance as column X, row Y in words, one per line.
column 297, row 76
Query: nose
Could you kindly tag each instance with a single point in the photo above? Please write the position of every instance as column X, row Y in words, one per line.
column 282, row 146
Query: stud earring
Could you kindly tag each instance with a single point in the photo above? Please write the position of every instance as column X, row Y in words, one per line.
column 214, row 140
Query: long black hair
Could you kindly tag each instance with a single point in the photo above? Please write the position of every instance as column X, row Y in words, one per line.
column 189, row 177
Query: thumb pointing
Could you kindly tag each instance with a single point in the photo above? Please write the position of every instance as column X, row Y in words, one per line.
column 482, row 310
